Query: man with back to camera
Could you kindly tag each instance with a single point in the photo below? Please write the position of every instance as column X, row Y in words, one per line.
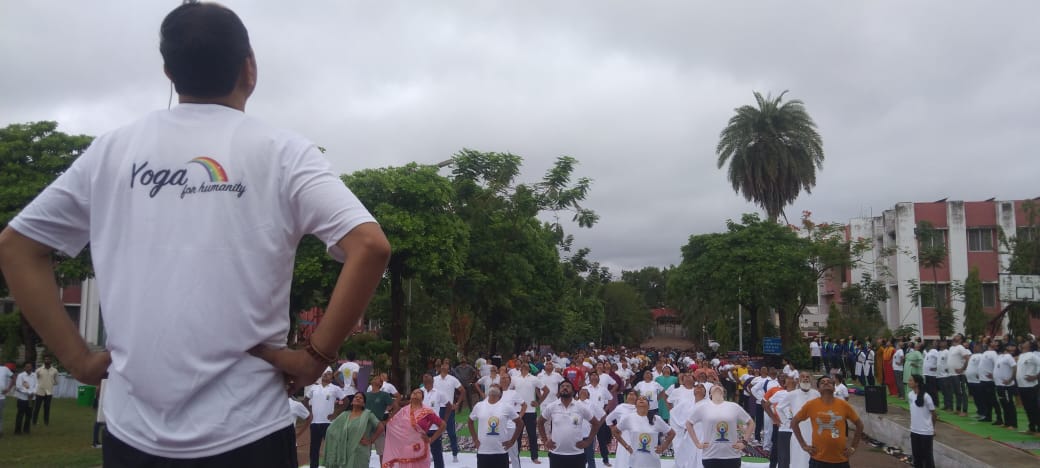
column 193, row 216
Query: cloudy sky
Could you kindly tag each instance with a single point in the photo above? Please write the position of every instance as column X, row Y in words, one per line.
column 916, row 101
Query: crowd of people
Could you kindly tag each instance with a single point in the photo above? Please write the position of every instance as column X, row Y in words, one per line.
column 997, row 374
column 33, row 388
column 634, row 404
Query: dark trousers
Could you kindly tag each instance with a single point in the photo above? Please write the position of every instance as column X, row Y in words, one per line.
column 500, row 460
column 275, row 450
column 931, row 387
column 721, row 463
column 988, row 399
column 437, row 450
column 782, row 447
column 975, row 392
column 532, row 435
column 590, row 456
column 97, row 432
column 921, row 446
column 22, row 419
column 946, row 387
column 774, row 453
column 899, row 383
column 1006, row 396
column 960, row 396
column 1032, row 407
column 43, row 401
column 759, row 416
column 814, row 463
column 566, row 461
column 449, row 427
column 815, row 363
column 317, row 436
column 603, row 437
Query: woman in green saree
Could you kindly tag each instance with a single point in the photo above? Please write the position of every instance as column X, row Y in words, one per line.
column 348, row 442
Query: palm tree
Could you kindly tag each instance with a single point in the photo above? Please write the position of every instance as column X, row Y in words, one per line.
column 773, row 152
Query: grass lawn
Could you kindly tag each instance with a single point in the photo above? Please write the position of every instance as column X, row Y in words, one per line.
column 65, row 442
column 1016, row 438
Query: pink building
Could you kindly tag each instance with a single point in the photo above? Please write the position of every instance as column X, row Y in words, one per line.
column 969, row 230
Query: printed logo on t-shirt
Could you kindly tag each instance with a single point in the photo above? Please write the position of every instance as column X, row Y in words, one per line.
column 720, row 430
column 156, row 179
column 831, row 425
column 492, row 426
column 644, row 443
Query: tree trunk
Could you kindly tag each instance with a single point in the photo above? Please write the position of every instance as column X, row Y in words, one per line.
column 396, row 318
column 753, row 342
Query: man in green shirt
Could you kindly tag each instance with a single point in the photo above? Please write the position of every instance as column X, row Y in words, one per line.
column 378, row 402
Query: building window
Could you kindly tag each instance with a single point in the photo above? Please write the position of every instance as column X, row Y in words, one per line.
column 1026, row 233
column 980, row 240
column 937, row 238
column 931, row 292
column 989, row 295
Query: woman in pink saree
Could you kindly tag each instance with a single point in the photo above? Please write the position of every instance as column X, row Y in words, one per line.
column 407, row 435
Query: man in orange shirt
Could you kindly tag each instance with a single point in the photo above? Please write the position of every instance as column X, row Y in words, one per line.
column 829, row 417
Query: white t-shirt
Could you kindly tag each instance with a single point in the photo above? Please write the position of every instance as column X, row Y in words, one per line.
column 349, row 370
column 841, row 391
column 955, row 360
column 193, row 216
column 931, row 363
column 897, row 360
column 987, row 364
column 297, row 410
column 921, row 416
column 564, row 425
column 599, row 395
column 323, row 401
column 943, row 370
column 814, row 349
column 446, row 385
column 510, row 398
column 642, row 437
column 25, row 385
column 597, row 413
column 526, row 387
column 776, row 400
column 5, row 379
column 1004, row 370
column 1028, row 365
column 550, row 380
column 493, row 425
column 681, row 393
column 607, row 381
column 387, row 387
column 723, row 425
column 487, row 381
column 971, row 374
column 625, row 374
column 650, row 390
column 619, row 411
column 435, row 400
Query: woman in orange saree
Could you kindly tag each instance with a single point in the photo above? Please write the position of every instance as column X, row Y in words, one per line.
column 407, row 441
column 890, row 375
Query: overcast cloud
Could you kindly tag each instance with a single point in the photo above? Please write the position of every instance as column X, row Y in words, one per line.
column 916, row 101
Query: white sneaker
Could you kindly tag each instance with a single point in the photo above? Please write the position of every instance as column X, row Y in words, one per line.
column 454, row 458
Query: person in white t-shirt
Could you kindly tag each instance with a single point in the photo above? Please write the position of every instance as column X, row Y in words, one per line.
column 1026, row 376
column 1004, row 378
column 527, row 386
column 6, row 384
column 781, row 408
column 193, row 216
column 615, row 416
column 957, row 362
column 687, row 455
column 922, row 423
column 971, row 375
column 549, row 380
column 598, row 415
column 486, row 381
column 727, row 427
column 449, row 385
column 987, row 388
column 323, row 398
column 650, row 389
column 931, row 370
column 347, row 374
column 435, row 400
column 564, row 438
column 489, row 425
column 841, row 391
column 897, row 368
column 944, row 377
column 511, row 398
column 640, row 434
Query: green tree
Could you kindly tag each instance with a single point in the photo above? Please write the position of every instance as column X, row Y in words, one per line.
column 773, row 152
column 626, row 318
column 931, row 254
column 414, row 207
column 974, row 317
column 1024, row 249
column 651, row 283
column 32, row 155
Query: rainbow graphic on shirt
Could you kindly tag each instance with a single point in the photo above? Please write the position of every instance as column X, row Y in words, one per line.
column 215, row 170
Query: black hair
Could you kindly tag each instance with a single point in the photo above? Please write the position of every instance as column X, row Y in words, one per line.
column 920, row 389
column 203, row 46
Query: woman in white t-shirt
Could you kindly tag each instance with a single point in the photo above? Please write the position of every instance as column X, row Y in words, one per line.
column 922, row 423
column 615, row 417
column 727, row 426
column 840, row 390
column 640, row 431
